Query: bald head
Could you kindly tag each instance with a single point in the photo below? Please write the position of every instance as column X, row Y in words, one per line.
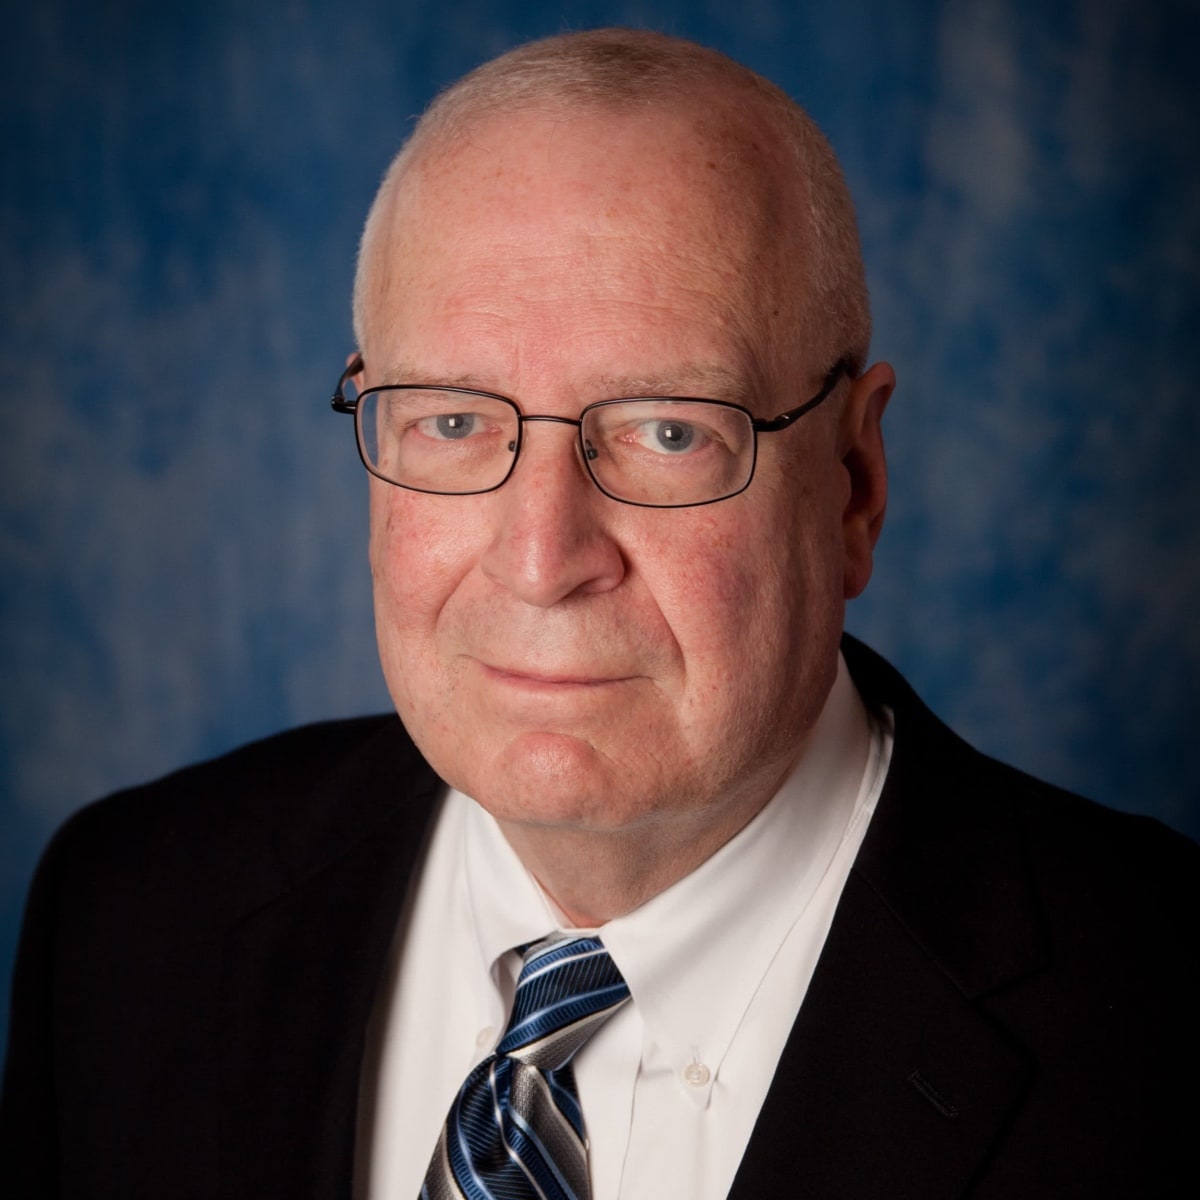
column 779, row 177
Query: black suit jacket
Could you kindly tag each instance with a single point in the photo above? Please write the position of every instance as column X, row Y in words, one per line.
column 1006, row 1005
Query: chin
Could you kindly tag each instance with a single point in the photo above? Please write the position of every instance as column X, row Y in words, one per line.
column 553, row 779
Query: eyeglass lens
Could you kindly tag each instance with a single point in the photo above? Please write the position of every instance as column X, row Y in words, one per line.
column 653, row 451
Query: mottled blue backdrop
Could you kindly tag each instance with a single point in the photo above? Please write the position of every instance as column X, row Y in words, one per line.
column 182, row 530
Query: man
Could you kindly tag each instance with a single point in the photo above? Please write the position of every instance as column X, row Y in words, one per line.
column 842, row 954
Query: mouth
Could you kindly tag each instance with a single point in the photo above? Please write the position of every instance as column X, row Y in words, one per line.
column 550, row 680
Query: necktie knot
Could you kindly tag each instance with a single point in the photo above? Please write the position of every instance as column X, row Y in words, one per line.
column 515, row 1130
column 565, row 992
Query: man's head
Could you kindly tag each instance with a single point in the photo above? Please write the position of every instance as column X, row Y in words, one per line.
column 593, row 217
column 620, row 73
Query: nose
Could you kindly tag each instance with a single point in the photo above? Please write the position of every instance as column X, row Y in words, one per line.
column 552, row 538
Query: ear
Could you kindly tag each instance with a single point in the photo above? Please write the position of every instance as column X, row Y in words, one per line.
column 860, row 449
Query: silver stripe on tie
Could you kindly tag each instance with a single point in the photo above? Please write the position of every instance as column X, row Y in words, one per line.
column 534, row 1109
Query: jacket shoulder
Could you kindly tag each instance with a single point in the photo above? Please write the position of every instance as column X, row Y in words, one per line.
column 215, row 828
column 119, row 989
column 961, row 843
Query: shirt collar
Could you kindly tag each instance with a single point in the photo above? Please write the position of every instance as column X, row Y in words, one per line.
column 507, row 906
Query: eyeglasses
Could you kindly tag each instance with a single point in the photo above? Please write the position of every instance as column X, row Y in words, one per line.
column 652, row 451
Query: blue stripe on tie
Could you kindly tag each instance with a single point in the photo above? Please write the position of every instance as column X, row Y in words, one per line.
column 557, row 1016
column 564, row 1097
column 537, row 1161
column 474, row 1145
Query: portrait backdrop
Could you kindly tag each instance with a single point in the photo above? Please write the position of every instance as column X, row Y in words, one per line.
column 183, row 521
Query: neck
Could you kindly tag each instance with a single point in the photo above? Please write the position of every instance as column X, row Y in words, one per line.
column 594, row 876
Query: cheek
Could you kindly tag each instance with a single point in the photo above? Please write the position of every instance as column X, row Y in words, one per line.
column 718, row 592
column 754, row 603
column 419, row 553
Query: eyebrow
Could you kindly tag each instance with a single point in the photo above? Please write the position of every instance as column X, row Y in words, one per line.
column 697, row 380
column 405, row 373
column 712, row 382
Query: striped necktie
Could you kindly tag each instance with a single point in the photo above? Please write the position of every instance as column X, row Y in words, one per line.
column 515, row 1131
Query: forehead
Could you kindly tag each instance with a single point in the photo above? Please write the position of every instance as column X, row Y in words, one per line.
column 587, row 227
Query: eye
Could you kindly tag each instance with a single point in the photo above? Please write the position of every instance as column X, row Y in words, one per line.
column 668, row 435
column 448, row 427
column 674, row 435
column 665, row 434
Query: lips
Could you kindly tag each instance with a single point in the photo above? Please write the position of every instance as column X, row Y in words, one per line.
column 522, row 675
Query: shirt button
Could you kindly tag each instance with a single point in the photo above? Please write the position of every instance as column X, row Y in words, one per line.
column 696, row 1074
column 484, row 1037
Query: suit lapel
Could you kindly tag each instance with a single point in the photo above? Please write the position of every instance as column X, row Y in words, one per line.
column 895, row 1080
column 891, row 1084
column 300, row 972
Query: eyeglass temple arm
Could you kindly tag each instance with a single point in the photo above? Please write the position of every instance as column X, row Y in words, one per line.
column 774, row 424
column 339, row 403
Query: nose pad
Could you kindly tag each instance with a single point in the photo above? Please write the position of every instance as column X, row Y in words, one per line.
column 589, row 451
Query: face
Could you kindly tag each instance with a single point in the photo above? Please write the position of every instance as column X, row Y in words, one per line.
column 567, row 660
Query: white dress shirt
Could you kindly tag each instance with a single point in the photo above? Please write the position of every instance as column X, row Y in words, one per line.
column 717, row 965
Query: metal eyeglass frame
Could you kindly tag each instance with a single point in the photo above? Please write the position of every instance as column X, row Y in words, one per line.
column 785, row 420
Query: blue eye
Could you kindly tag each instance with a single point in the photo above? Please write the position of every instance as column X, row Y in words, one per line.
column 674, row 435
column 455, row 426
